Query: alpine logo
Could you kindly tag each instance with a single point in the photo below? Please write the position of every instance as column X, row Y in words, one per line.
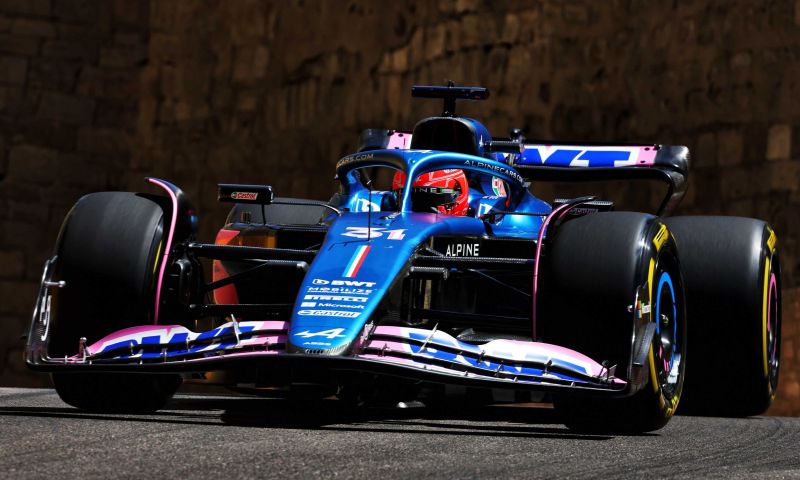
column 331, row 334
column 495, row 168
column 463, row 250
column 244, row 195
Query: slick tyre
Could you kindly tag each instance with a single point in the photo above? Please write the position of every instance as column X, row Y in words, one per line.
column 610, row 275
column 107, row 255
column 116, row 392
column 732, row 271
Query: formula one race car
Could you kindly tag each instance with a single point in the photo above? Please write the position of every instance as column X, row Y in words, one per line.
column 433, row 265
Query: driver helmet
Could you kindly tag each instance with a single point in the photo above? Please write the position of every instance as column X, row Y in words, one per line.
column 439, row 191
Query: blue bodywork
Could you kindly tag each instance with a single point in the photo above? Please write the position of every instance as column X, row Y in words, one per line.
column 364, row 253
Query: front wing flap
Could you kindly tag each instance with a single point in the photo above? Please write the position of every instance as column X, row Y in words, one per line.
column 426, row 355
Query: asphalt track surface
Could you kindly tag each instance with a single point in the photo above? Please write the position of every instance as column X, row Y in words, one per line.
column 235, row 437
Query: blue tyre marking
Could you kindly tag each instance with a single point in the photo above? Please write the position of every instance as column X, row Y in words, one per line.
column 666, row 279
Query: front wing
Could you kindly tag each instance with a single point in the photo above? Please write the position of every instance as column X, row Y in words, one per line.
column 424, row 355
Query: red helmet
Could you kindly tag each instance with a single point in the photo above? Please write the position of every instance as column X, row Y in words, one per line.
column 442, row 191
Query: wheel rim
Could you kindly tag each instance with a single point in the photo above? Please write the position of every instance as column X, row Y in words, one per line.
column 667, row 348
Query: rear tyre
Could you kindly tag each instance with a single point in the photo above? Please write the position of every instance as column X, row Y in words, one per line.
column 732, row 272
column 108, row 255
column 598, row 265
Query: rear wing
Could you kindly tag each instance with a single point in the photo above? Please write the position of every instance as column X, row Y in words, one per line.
column 573, row 162
column 667, row 163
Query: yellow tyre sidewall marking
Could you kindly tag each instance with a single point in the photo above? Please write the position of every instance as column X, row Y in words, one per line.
column 772, row 240
column 658, row 241
column 661, row 237
column 671, row 405
column 653, row 376
column 158, row 256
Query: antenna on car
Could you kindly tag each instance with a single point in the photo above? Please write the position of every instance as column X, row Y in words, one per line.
column 369, row 208
column 450, row 94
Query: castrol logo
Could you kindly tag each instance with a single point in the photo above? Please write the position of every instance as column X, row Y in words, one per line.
column 244, row 195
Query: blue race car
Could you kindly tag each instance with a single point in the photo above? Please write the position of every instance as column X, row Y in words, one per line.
column 432, row 265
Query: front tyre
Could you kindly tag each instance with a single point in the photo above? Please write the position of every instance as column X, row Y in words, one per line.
column 598, row 265
column 116, row 392
column 109, row 252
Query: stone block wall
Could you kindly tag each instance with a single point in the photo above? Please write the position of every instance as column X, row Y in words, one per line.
column 94, row 95
column 787, row 401
column 69, row 102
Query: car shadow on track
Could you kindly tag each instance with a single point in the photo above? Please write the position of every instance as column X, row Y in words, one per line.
column 73, row 413
column 484, row 421
column 459, row 420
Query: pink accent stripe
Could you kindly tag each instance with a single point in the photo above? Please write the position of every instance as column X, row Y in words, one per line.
column 560, row 211
column 264, row 339
column 169, row 330
column 536, row 264
column 647, row 156
column 399, row 141
column 773, row 290
column 143, row 329
column 273, row 325
column 389, row 345
column 259, row 353
column 168, row 245
column 390, row 359
column 386, row 330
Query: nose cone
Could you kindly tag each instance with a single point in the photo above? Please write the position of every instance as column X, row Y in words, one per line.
column 346, row 282
column 354, row 269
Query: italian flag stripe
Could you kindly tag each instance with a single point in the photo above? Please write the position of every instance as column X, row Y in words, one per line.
column 355, row 263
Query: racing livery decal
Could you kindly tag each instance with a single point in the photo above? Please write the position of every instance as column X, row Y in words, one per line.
column 356, row 261
column 587, row 156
